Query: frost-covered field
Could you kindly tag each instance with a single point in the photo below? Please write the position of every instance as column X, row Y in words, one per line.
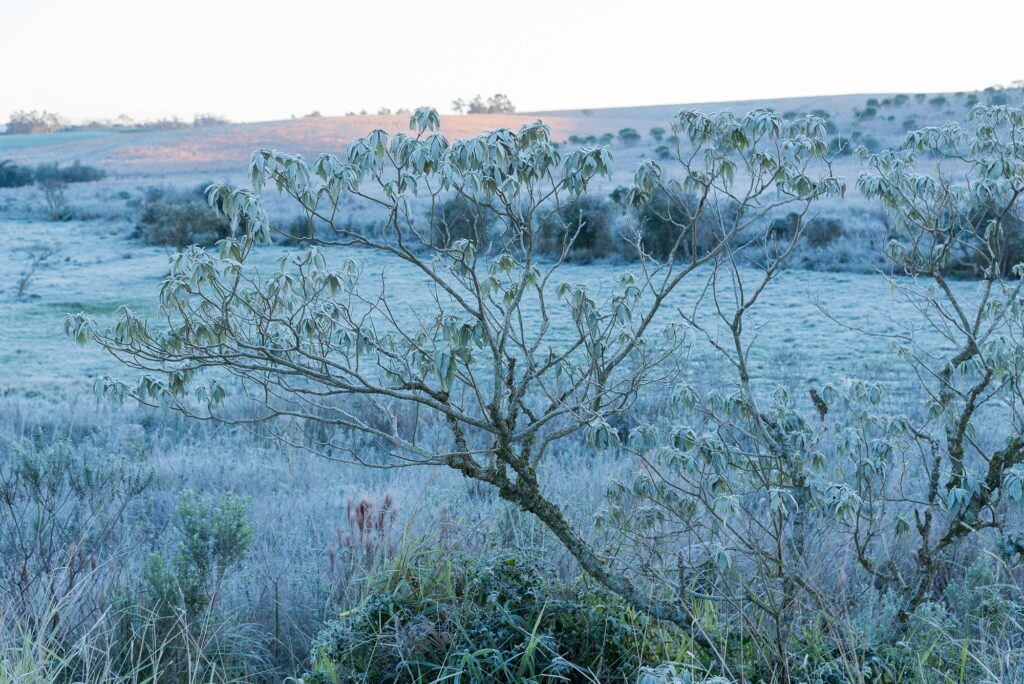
column 310, row 558
column 96, row 268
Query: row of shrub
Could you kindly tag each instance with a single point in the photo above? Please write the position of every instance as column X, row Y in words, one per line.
column 597, row 228
column 591, row 228
column 14, row 175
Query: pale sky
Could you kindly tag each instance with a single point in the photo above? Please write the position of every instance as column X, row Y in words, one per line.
column 255, row 60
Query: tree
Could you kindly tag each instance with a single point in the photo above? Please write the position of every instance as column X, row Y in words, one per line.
column 326, row 358
column 973, row 480
column 28, row 122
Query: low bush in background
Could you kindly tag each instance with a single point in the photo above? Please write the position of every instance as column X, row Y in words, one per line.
column 665, row 224
column 179, row 218
column 14, row 175
column 460, row 218
column 583, row 230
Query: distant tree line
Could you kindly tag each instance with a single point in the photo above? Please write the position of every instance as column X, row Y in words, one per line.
column 496, row 104
column 35, row 122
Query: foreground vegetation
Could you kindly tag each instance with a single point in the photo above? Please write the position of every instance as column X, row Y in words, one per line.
column 625, row 497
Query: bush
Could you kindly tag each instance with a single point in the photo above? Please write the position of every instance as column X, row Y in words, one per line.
column 663, row 152
column 823, row 231
column 76, row 173
column 973, row 255
column 666, row 217
column 938, row 101
column 589, row 222
column 14, row 175
column 657, row 133
column 179, row 218
column 629, row 136
column 460, row 218
column 840, row 146
column 500, row 619
column 818, row 231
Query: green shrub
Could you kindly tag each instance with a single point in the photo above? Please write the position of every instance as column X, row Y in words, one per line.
column 589, row 222
column 663, row 152
column 823, row 231
column 179, row 218
column 657, row 133
column 212, row 539
column 171, row 630
column 500, row 619
column 938, row 101
column 460, row 218
column 973, row 255
column 14, row 175
column 840, row 146
column 76, row 173
column 629, row 136
column 670, row 221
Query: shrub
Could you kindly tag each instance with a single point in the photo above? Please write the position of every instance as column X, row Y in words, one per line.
column 213, row 538
column 179, row 218
column 1003, row 249
column 606, row 138
column 170, row 629
column 909, row 124
column 460, row 218
column 76, row 173
column 629, row 136
column 818, row 231
column 14, row 175
column 840, row 146
column 866, row 113
column 672, row 221
column 657, row 133
column 500, row 619
column 823, row 231
column 938, row 101
column 57, row 207
column 663, row 152
column 588, row 222
column 872, row 102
